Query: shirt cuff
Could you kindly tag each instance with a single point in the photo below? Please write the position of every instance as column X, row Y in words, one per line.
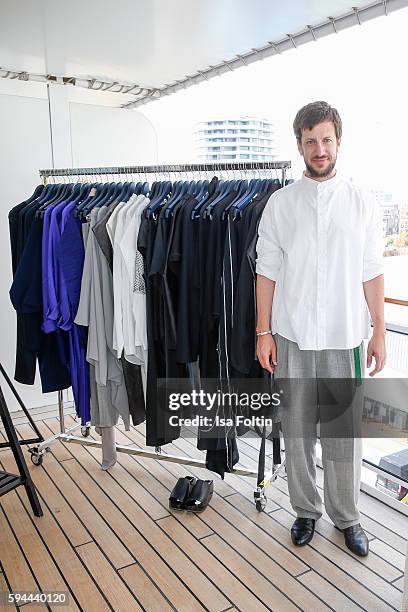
column 266, row 270
column 372, row 272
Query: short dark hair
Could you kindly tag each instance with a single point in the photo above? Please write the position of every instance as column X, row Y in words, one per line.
column 314, row 113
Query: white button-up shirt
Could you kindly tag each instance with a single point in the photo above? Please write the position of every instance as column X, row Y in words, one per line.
column 320, row 240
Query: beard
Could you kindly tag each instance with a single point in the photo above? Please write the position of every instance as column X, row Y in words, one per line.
column 324, row 171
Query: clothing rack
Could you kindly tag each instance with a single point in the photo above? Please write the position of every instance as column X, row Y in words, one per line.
column 67, row 435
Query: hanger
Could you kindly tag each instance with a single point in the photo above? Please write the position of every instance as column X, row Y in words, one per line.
column 163, row 190
column 211, row 189
column 89, row 195
column 254, row 188
column 100, row 200
column 37, row 192
column 184, row 188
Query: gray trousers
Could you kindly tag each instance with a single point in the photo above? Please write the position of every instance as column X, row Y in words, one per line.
column 341, row 456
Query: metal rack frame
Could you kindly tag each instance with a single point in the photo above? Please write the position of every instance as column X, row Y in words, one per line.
column 67, row 435
column 8, row 481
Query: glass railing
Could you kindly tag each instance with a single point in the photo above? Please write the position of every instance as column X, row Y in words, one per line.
column 385, row 460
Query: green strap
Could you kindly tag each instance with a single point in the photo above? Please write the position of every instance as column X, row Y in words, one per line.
column 357, row 364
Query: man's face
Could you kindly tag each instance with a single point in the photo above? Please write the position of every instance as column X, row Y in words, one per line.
column 319, row 148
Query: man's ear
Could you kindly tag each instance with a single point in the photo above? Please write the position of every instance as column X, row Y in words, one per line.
column 338, row 142
column 299, row 146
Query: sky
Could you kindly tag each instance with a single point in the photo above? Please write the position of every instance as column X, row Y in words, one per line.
column 361, row 71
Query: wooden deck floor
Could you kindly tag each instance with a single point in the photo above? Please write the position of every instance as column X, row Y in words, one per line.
column 110, row 541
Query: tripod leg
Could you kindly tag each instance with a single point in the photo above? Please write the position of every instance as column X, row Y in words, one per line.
column 19, row 457
column 22, row 405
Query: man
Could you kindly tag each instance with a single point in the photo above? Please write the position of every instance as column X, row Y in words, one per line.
column 319, row 267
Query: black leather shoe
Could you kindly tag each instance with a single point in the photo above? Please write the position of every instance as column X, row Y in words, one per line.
column 181, row 491
column 356, row 540
column 200, row 496
column 302, row 531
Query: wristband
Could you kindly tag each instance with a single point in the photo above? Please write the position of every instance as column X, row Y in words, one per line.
column 264, row 333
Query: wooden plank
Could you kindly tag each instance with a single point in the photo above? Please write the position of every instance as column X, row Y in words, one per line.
column 135, row 437
column 164, row 577
column 354, row 566
column 155, row 477
column 374, row 561
column 256, row 554
column 96, row 525
column 399, row 584
column 390, row 555
column 327, row 530
column 149, row 476
column 234, row 587
column 37, row 555
column 267, row 593
column 381, row 532
column 4, row 589
column 144, row 589
column 309, row 555
column 335, row 598
column 227, row 512
column 66, row 559
column 134, row 520
column 167, row 468
column 14, row 564
column 288, row 586
column 66, row 518
column 116, row 592
column 183, row 447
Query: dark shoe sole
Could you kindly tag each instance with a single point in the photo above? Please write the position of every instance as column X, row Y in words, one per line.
column 357, row 553
column 302, row 543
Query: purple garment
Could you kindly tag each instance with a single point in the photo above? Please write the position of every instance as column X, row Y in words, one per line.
column 70, row 254
column 62, row 268
column 55, row 311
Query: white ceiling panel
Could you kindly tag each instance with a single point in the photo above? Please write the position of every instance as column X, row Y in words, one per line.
column 152, row 43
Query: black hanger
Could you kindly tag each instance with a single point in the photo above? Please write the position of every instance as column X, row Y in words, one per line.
column 37, row 192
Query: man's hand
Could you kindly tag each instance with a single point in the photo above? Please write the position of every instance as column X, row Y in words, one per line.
column 376, row 349
column 266, row 352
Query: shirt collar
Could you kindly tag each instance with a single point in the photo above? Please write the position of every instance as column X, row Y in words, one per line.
column 320, row 185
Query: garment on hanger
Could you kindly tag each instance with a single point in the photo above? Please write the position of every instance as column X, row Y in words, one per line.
column 62, row 264
column 95, row 311
column 134, row 378
column 51, row 350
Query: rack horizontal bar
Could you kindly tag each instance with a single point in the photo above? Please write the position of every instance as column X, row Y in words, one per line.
column 162, row 456
column 199, row 167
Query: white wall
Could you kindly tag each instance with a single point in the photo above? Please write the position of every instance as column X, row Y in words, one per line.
column 98, row 136
column 127, row 138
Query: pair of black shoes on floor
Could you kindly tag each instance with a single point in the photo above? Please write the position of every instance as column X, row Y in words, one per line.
column 191, row 494
column 355, row 537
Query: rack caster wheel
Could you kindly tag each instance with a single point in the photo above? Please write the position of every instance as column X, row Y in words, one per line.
column 260, row 501
column 85, row 431
column 37, row 459
column 260, row 505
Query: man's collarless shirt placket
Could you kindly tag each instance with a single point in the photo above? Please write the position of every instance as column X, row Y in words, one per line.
column 321, row 307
